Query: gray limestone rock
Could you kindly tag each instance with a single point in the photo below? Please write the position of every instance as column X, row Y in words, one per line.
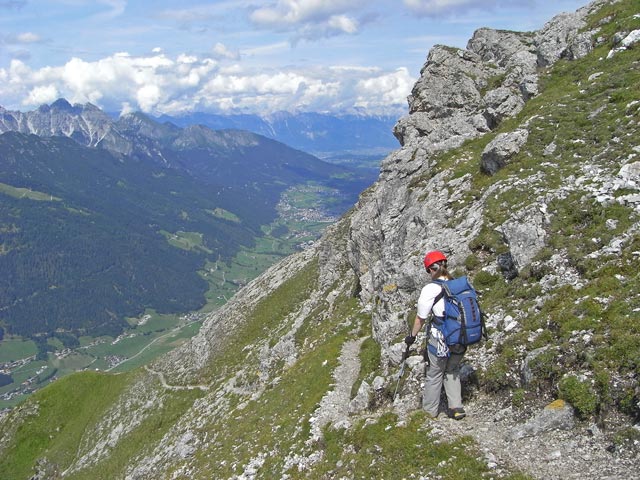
column 554, row 39
column 556, row 415
column 502, row 149
column 502, row 103
column 361, row 401
column 449, row 82
column 525, row 234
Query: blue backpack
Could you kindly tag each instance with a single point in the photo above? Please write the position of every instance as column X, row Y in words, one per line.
column 463, row 321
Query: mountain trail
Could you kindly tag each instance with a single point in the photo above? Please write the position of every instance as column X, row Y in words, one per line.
column 334, row 406
column 164, row 383
column 579, row 453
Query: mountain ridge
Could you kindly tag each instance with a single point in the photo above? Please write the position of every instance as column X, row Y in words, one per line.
column 321, row 134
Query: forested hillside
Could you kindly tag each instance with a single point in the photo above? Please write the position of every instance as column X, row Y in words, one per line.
column 91, row 235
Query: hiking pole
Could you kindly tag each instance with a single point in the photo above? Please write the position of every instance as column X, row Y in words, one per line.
column 405, row 355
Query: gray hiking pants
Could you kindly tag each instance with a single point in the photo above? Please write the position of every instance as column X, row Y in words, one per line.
column 445, row 370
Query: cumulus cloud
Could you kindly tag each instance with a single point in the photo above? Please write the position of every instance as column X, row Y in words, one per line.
column 160, row 84
column 385, row 89
column 437, row 8
column 309, row 19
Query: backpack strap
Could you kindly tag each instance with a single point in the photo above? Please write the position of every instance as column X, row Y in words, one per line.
column 438, row 297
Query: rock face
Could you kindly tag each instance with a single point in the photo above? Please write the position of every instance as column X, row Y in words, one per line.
column 461, row 95
column 501, row 149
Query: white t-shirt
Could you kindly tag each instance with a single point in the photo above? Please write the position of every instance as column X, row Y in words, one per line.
column 425, row 302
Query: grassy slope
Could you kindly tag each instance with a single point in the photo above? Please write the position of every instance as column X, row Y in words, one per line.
column 592, row 122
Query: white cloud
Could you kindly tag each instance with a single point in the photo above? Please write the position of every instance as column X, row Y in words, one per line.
column 42, row 94
column 342, row 23
column 385, row 89
column 437, row 8
column 221, row 51
column 28, row 37
column 309, row 19
column 160, row 84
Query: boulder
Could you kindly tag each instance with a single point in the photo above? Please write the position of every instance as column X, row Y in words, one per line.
column 525, row 234
column 502, row 149
column 556, row 415
column 553, row 41
column 502, row 103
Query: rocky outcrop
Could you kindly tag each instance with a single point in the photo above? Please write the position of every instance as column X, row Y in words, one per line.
column 461, row 95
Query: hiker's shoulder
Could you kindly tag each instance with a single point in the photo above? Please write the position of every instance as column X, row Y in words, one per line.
column 432, row 288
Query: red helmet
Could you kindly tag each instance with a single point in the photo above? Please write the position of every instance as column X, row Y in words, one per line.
column 433, row 257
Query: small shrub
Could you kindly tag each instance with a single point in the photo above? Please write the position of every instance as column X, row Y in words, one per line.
column 471, row 262
column 518, row 397
column 579, row 394
column 485, row 279
column 630, row 404
column 545, row 367
column 497, row 377
column 628, row 435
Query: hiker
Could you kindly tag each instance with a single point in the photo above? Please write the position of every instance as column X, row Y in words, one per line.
column 443, row 360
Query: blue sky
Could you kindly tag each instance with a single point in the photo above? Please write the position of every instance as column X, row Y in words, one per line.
column 250, row 56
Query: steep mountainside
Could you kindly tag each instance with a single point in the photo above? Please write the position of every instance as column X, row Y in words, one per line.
column 520, row 160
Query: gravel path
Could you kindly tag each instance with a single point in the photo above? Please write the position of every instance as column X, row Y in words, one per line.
column 334, row 406
column 583, row 452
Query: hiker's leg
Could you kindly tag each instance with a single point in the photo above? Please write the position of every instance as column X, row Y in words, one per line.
column 433, row 384
column 452, row 381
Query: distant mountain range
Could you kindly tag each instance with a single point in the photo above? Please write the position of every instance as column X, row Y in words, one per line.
column 323, row 135
column 88, row 203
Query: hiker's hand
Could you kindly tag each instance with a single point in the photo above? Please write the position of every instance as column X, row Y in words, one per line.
column 409, row 339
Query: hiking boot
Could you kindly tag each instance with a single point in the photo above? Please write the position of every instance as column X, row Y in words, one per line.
column 457, row 413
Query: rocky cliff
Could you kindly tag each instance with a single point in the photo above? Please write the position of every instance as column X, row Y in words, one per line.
column 519, row 159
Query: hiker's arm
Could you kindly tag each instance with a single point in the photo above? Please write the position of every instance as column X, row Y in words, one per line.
column 417, row 326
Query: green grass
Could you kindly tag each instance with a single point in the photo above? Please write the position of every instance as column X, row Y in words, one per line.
column 18, row 192
column 266, row 319
column 64, row 410
column 53, row 422
column 186, row 240
column 224, row 214
column 142, row 438
column 388, row 449
column 12, row 348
